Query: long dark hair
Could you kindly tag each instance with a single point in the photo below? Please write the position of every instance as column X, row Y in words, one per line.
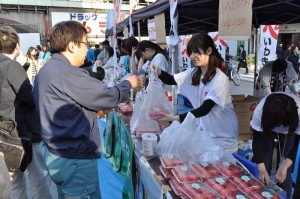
column 129, row 43
column 29, row 53
column 279, row 110
column 202, row 42
column 148, row 44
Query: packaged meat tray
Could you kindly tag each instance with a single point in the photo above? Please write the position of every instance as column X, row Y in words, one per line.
column 222, row 186
column 125, row 108
column 197, row 190
column 247, row 183
column 167, row 174
column 206, row 170
column 156, row 112
column 175, row 186
column 239, row 195
column 170, row 161
column 185, row 173
column 228, row 169
column 265, row 193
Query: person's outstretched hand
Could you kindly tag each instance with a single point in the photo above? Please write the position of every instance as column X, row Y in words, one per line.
column 137, row 82
column 282, row 171
column 155, row 69
column 263, row 174
column 168, row 117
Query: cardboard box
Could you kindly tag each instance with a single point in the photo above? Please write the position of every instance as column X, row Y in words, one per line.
column 244, row 107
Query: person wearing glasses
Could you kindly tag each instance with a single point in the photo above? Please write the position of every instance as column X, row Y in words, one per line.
column 275, row 124
column 67, row 99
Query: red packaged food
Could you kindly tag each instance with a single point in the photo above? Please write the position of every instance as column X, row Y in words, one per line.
column 229, row 169
column 125, row 108
column 247, row 183
column 222, row 186
column 175, row 186
column 206, row 170
column 156, row 112
column 170, row 161
column 265, row 193
column 167, row 174
column 185, row 174
column 239, row 195
column 197, row 190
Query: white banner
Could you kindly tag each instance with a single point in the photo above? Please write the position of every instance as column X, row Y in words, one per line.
column 133, row 4
column 173, row 39
column 235, row 19
column 151, row 30
column 268, row 43
column 117, row 10
column 184, row 61
column 93, row 22
column 220, row 44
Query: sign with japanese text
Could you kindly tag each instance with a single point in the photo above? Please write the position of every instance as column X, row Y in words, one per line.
column 184, row 61
column 235, row 19
column 220, row 44
column 173, row 35
column 151, row 30
column 133, row 5
column 94, row 23
column 268, row 43
column 117, row 10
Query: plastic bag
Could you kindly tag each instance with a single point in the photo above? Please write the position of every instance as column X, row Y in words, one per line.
column 127, row 148
column 109, row 133
column 139, row 99
column 144, row 124
column 156, row 101
column 190, row 144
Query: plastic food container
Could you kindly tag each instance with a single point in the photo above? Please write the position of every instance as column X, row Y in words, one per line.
column 156, row 112
column 197, row 190
column 265, row 193
column 125, row 108
column 185, row 173
column 222, row 186
column 247, row 183
column 167, row 174
column 206, row 170
column 170, row 161
column 239, row 195
column 175, row 186
column 229, row 169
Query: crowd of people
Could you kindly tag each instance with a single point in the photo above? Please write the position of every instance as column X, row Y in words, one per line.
column 57, row 126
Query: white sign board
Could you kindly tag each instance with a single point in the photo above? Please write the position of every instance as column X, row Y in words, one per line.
column 95, row 23
column 28, row 40
column 268, row 43
column 151, row 30
column 220, row 44
column 235, row 19
column 184, row 61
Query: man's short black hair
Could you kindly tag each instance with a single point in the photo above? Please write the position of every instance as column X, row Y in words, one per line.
column 105, row 42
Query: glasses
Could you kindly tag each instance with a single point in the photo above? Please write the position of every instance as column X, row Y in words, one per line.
column 86, row 43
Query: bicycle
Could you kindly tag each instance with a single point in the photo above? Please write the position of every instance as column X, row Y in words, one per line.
column 233, row 73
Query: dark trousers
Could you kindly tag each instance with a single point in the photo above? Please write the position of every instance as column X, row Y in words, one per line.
column 297, row 186
column 243, row 64
column 269, row 147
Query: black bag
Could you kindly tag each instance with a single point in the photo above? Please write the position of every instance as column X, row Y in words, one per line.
column 26, row 66
column 17, row 151
column 100, row 73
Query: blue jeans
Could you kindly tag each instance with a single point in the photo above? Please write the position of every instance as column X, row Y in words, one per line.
column 269, row 147
column 75, row 178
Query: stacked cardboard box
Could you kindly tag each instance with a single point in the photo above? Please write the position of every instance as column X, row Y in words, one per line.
column 244, row 107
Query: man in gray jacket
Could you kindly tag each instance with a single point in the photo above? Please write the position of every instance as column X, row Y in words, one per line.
column 67, row 100
column 15, row 90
